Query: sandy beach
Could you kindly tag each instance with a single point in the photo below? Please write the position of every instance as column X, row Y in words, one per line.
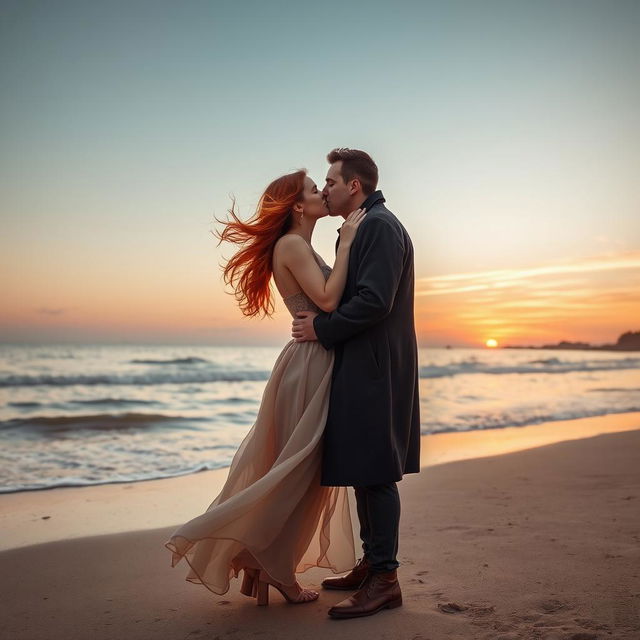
column 530, row 532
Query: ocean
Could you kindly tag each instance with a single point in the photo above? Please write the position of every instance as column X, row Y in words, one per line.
column 93, row 414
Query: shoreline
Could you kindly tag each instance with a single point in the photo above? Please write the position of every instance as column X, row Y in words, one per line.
column 226, row 467
column 47, row 515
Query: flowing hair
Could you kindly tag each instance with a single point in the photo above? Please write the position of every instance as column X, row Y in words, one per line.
column 249, row 270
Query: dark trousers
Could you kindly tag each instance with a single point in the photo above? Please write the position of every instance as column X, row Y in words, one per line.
column 379, row 515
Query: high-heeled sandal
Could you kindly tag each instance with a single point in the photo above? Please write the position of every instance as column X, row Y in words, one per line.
column 250, row 582
column 262, row 584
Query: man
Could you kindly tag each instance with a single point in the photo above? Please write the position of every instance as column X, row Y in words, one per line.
column 372, row 434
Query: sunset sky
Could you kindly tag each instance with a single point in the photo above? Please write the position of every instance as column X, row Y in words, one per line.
column 507, row 135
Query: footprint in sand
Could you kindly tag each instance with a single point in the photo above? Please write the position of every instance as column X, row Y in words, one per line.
column 452, row 607
column 551, row 605
column 555, row 622
column 473, row 609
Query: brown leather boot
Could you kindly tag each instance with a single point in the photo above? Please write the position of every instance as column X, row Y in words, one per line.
column 379, row 591
column 351, row 580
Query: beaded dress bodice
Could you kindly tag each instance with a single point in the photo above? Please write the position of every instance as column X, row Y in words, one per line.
column 300, row 301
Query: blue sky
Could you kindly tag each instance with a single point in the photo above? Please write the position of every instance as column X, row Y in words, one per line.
column 507, row 136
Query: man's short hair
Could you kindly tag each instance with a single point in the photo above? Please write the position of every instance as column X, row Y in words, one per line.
column 356, row 164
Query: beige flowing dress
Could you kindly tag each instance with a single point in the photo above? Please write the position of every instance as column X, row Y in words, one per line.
column 272, row 504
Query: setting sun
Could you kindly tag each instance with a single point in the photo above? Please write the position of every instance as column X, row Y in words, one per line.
column 491, row 342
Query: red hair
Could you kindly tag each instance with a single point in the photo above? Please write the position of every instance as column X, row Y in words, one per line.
column 249, row 270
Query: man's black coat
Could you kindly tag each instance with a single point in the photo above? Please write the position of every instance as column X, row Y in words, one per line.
column 372, row 435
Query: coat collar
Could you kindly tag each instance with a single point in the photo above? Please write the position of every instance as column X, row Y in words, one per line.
column 371, row 199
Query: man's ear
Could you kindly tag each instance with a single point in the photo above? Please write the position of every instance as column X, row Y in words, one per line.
column 354, row 186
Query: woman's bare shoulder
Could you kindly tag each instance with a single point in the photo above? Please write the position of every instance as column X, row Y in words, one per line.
column 290, row 243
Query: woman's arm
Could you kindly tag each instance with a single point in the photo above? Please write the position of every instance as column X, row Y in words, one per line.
column 297, row 256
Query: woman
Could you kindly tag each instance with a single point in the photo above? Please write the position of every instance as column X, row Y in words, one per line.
column 272, row 518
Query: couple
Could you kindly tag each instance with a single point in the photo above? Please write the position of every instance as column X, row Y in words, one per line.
column 340, row 408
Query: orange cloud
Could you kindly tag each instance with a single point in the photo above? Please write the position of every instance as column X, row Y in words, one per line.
column 590, row 299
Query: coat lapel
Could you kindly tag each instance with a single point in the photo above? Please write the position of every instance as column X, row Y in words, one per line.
column 371, row 199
